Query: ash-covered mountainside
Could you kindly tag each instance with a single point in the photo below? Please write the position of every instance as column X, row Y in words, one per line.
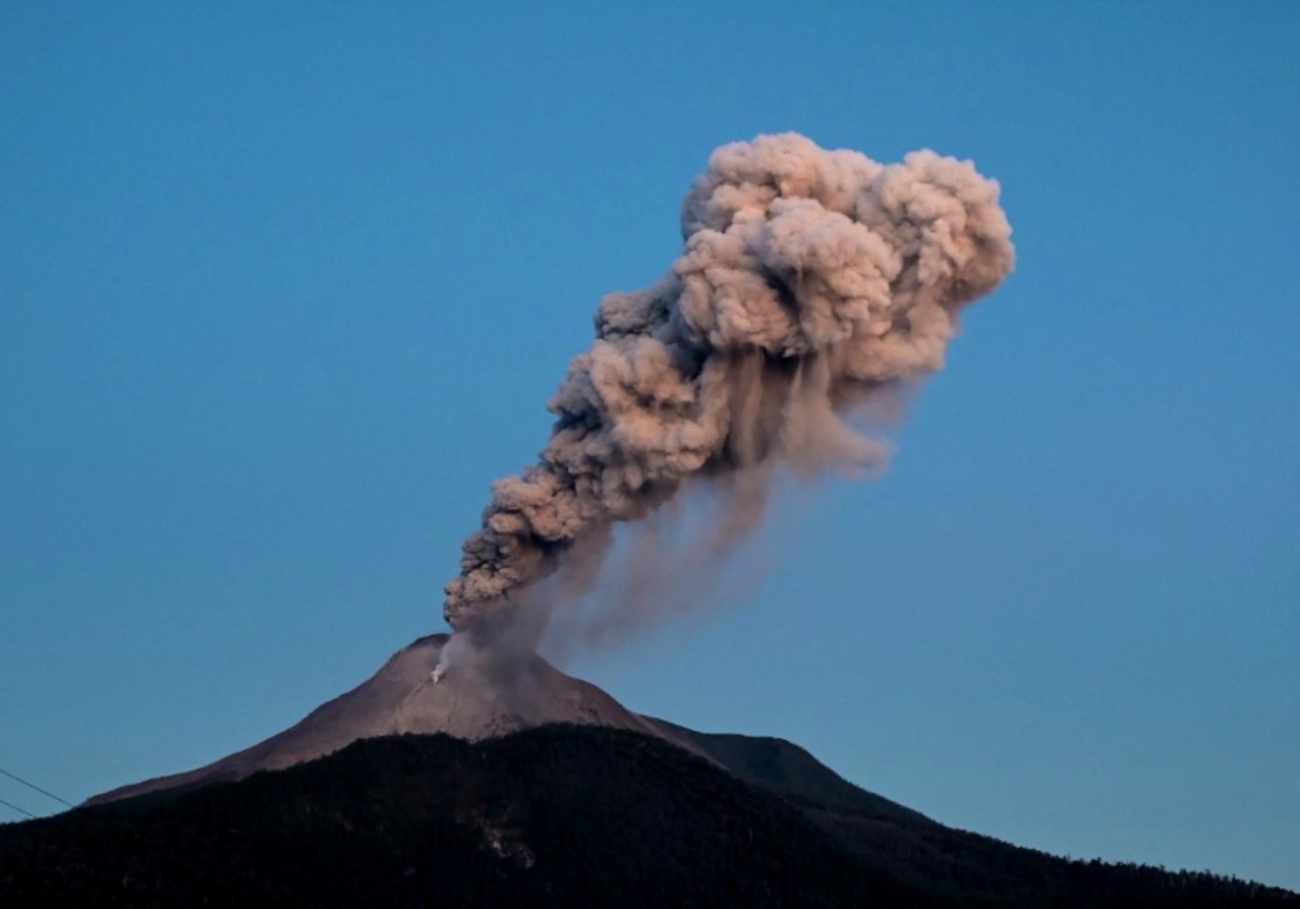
column 480, row 698
column 553, row 816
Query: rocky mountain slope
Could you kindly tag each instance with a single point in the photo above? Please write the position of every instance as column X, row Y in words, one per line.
column 473, row 700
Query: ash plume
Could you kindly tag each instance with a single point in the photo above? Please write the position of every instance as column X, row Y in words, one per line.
column 811, row 281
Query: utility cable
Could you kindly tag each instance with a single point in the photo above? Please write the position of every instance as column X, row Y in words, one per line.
column 19, row 779
column 16, row 808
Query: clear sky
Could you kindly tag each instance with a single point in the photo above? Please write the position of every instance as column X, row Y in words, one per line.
column 284, row 286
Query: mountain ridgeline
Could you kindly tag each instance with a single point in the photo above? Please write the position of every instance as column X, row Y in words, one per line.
column 559, row 815
column 578, row 805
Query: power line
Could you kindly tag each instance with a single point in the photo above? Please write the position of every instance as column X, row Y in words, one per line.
column 16, row 808
column 19, row 779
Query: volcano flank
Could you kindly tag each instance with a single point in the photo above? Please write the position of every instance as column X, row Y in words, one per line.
column 515, row 784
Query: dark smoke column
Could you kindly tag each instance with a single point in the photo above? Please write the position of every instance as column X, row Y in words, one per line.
column 809, row 279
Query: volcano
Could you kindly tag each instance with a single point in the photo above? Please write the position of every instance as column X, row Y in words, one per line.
column 479, row 699
column 511, row 783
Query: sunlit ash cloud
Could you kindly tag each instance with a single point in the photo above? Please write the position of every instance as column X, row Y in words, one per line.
column 810, row 283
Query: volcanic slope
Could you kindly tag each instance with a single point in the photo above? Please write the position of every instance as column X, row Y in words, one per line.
column 474, row 700
column 552, row 816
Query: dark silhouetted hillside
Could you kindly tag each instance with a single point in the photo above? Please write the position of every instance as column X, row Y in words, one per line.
column 552, row 816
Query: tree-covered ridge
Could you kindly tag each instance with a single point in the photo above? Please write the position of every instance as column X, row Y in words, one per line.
column 554, row 816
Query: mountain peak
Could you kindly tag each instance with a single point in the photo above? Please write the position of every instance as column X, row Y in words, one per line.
column 477, row 698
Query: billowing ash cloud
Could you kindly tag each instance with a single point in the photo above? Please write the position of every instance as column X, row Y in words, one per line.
column 810, row 281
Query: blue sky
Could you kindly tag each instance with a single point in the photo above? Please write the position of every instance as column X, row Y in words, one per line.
column 283, row 287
